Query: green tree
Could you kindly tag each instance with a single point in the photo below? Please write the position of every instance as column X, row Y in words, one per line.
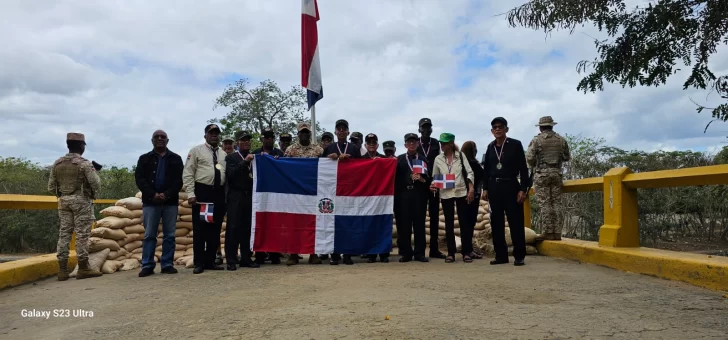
column 649, row 40
column 254, row 109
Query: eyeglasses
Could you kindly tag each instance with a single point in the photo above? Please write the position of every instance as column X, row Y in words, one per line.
column 498, row 127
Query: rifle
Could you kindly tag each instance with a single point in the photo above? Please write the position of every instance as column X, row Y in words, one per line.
column 97, row 166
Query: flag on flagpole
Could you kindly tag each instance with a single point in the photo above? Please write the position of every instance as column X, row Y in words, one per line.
column 446, row 181
column 419, row 167
column 311, row 68
column 312, row 205
column 206, row 212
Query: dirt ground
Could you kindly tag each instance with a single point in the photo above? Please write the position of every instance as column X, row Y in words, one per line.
column 546, row 299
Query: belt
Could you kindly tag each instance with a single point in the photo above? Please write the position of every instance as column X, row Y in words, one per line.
column 502, row 179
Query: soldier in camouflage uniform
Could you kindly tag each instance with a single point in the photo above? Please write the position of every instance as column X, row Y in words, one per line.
column 546, row 153
column 304, row 149
column 75, row 182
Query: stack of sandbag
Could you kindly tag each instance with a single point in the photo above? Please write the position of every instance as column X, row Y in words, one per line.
column 121, row 232
column 484, row 241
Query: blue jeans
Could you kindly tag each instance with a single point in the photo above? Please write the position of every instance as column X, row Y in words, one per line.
column 152, row 214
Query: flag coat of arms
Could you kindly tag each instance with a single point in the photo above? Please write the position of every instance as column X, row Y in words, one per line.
column 322, row 206
column 444, row 181
column 207, row 212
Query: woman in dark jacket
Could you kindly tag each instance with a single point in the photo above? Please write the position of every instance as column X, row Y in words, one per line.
column 470, row 150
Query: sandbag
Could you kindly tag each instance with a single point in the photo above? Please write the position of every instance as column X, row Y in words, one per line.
column 137, row 257
column 482, row 210
column 138, row 195
column 179, row 247
column 96, row 244
column 185, row 225
column 178, row 254
column 188, row 252
column 134, row 229
column 185, row 204
column 530, row 236
column 183, row 240
column 531, row 250
column 132, row 245
column 183, row 196
column 184, row 211
column 130, row 264
column 131, row 203
column 117, row 212
column 113, row 222
column 112, row 234
column 186, row 218
column 117, row 254
column 95, row 261
column 190, row 262
column 181, row 232
column 110, row 266
column 137, row 220
column 138, row 250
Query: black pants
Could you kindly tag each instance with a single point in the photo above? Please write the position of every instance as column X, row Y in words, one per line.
column 433, row 206
column 503, row 197
column 411, row 218
column 206, row 236
column 448, row 209
column 237, row 233
column 467, row 225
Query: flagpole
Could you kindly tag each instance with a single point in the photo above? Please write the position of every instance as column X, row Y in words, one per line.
column 313, row 124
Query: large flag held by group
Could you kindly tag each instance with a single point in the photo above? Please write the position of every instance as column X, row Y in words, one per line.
column 310, row 65
column 322, row 206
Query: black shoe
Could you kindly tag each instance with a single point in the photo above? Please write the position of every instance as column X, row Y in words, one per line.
column 218, row 259
column 213, row 267
column 519, row 263
column 384, row 260
column 169, row 270
column 437, row 255
column 232, row 266
column 259, row 261
column 249, row 265
column 405, row 259
column 498, row 261
column 334, row 262
column 146, row 272
column 347, row 260
column 198, row 270
column 372, row 260
column 275, row 260
column 422, row 259
column 324, row 256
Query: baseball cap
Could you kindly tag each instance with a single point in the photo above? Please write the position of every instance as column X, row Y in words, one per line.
column 268, row 132
column 342, row 122
column 446, row 137
column 499, row 120
column 227, row 140
column 388, row 145
column 242, row 135
column 356, row 135
column 212, row 127
column 285, row 136
column 410, row 136
column 371, row 136
column 424, row 121
column 303, row 126
column 327, row 135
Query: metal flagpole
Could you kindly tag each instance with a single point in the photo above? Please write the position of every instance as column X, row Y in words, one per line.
column 313, row 124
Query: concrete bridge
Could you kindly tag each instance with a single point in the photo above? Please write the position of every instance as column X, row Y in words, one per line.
column 611, row 289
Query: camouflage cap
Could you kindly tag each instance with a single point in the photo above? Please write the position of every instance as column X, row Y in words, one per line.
column 76, row 137
column 303, row 126
column 328, row 135
column 356, row 135
column 546, row 121
column 228, row 140
column 242, row 135
column 388, row 145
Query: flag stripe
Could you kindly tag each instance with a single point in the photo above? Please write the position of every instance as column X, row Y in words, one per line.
column 326, row 188
column 302, row 183
column 325, row 234
column 286, row 233
column 355, row 234
column 375, row 177
column 343, row 205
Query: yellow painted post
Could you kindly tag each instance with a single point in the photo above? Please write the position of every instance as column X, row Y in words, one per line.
column 527, row 210
column 621, row 228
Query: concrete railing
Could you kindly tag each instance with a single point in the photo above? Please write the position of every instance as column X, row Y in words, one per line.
column 621, row 227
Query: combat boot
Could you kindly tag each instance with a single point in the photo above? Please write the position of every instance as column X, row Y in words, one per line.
column 292, row 259
column 62, row 270
column 314, row 259
column 85, row 272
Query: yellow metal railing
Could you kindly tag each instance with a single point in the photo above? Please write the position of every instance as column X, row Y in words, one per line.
column 38, row 202
column 621, row 228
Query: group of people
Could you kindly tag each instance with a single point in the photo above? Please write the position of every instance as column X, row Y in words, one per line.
column 219, row 174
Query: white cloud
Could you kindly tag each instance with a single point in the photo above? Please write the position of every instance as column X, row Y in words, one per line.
column 117, row 72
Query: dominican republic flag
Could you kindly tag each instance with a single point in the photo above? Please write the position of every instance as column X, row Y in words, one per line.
column 206, row 212
column 322, row 206
column 446, row 181
column 419, row 167
column 310, row 66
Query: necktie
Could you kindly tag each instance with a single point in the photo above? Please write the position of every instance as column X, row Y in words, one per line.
column 217, row 179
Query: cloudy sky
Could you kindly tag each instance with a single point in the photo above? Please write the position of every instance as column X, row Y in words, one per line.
column 118, row 70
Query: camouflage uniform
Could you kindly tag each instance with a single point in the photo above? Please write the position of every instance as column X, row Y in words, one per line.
column 75, row 182
column 307, row 151
column 545, row 155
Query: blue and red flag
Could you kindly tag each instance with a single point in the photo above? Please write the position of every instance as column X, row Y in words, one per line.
column 322, row 206
column 444, row 181
column 310, row 65
column 206, row 212
column 419, row 167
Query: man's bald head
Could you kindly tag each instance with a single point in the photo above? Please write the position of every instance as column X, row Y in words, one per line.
column 159, row 140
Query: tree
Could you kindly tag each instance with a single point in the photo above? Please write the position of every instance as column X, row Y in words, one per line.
column 651, row 40
column 262, row 107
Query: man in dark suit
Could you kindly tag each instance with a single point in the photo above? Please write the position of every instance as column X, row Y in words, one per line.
column 430, row 147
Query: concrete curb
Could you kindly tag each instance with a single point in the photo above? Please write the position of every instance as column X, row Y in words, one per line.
column 15, row 273
column 700, row 270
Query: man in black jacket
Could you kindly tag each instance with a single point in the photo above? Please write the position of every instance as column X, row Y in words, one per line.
column 239, row 203
column 159, row 177
column 430, row 147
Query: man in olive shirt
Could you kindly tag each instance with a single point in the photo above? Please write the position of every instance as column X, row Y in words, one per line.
column 204, row 179
column 504, row 163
